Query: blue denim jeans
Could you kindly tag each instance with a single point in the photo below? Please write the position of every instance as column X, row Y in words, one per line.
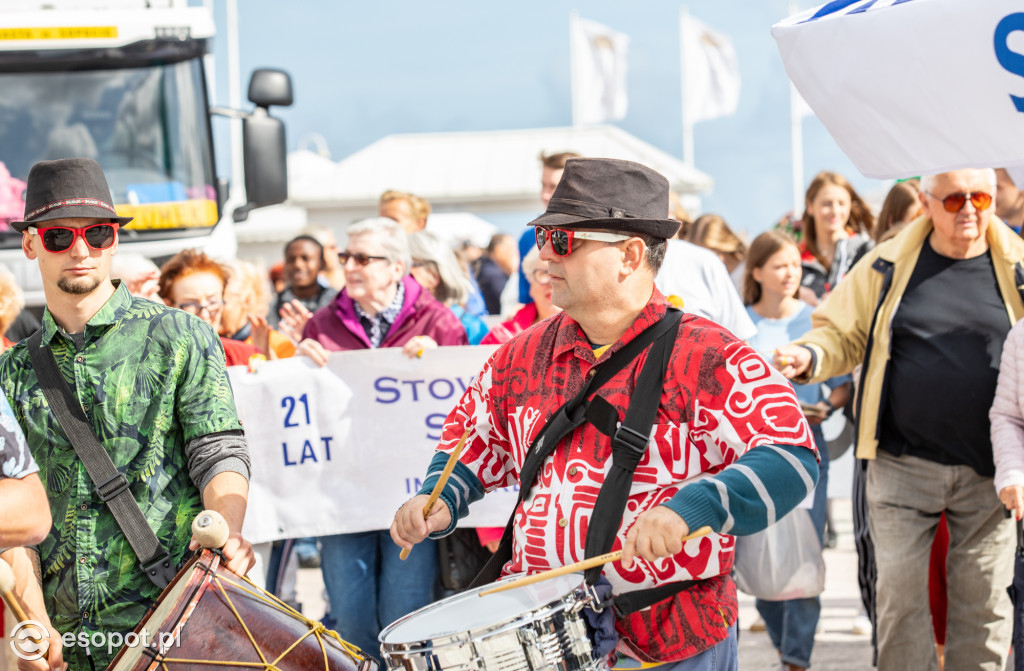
column 791, row 624
column 369, row 587
column 722, row 657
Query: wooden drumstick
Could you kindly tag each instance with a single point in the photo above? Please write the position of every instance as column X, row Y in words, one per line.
column 453, row 459
column 7, row 593
column 210, row 529
column 582, row 565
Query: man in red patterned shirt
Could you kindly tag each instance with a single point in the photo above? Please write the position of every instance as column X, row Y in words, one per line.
column 729, row 447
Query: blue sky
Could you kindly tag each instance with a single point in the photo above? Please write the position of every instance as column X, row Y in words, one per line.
column 362, row 71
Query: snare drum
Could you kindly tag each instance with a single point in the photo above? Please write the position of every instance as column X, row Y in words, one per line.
column 209, row 618
column 530, row 628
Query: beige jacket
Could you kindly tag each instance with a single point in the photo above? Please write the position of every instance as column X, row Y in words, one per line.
column 854, row 323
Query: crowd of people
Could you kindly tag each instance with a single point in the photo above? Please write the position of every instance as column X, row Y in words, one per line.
column 879, row 318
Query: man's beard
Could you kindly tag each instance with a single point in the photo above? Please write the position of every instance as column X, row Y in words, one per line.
column 78, row 286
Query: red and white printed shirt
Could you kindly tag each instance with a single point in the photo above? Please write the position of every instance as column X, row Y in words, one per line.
column 720, row 399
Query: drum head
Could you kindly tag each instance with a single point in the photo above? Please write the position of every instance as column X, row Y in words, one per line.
column 468, row 610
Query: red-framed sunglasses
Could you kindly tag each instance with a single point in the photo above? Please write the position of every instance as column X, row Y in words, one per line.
column 561, row 238
column 955, row 202
column 57, row 239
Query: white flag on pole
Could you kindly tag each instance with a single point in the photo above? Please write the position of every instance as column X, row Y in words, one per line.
column 711, row 75
column 599, row 72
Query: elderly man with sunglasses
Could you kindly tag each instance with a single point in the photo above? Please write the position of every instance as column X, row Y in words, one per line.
column 152, row 387
column 927, row 313
column 673, row 420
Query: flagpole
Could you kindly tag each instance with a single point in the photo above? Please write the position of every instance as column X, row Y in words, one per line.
column 684, row 16
column 796, row 139
column 574, row 66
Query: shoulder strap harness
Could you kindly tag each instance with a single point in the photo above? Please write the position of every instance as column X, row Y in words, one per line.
column 629, row 441
column 111, row 485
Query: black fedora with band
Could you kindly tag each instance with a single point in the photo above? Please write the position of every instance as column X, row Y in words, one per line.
column 611, row 194
column 67, row 188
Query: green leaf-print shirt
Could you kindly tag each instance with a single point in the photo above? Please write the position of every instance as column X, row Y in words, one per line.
column 150, row 378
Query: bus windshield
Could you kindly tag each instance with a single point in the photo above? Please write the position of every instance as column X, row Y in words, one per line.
column 147, row 126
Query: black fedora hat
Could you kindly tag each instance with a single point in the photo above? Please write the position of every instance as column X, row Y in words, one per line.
column 67, row 188
column 607, row 193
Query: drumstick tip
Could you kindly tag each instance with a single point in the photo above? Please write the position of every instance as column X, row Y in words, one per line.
column 6, row 577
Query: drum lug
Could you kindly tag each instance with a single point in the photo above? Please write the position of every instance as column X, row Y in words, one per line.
column 590, row 600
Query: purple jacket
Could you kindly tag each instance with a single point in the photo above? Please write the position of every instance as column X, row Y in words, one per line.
column 336, row 326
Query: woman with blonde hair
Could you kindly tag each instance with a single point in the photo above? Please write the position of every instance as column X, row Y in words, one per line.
column 837, row 227
column 711, row 232
column 246, row 303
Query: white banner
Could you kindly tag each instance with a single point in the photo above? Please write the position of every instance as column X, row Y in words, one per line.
column 711, row 73
column 338, row 449
column 913, row 87
column 599, row 72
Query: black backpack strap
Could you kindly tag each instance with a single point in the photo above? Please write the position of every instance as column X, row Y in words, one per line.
column 566, row 419
column 111, row 485
column 629, row 443
column 574, row 412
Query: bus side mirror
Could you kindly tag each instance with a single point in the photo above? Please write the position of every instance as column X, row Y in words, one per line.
column 264, row 153
column 270, row 87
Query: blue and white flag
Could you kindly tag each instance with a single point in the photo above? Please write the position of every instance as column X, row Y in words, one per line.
column 913, row 87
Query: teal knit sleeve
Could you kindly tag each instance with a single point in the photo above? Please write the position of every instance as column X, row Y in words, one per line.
column 750, row 494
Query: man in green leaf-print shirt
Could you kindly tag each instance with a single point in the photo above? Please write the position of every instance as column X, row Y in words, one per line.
column 153, row 385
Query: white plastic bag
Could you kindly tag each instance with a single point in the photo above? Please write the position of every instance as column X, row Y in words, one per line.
column 782, row 562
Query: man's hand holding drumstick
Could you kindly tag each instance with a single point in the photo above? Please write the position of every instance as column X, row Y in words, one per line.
column 656, row 534
column 409, row 527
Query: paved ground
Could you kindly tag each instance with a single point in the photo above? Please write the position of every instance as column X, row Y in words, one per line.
column 836, row 649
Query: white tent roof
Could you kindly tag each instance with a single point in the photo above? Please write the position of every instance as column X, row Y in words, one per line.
column 279, row 223
column 500, row 168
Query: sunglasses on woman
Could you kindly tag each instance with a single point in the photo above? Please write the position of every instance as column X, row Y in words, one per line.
column 561, row 239
column 59, row 239
column 955, row 202
column 360, row 258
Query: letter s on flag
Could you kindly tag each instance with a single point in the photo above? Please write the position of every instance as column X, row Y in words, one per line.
column 1010, row 60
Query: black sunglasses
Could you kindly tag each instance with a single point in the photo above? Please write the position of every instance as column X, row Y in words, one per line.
column 360, row 259
column 59, row 239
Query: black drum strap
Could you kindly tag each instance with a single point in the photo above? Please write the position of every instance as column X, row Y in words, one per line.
column 631, row 602
column 570, row 416
column 111, row 485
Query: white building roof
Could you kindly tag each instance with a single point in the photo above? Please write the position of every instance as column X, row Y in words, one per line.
column 480, row 171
